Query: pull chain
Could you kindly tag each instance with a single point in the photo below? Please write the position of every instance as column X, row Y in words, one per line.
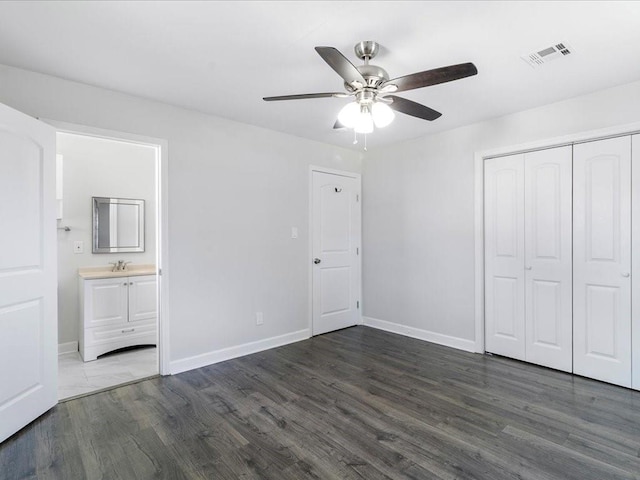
column 355, row 137
column 365, row 142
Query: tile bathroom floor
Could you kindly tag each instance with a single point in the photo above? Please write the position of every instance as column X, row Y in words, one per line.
column 76, row 377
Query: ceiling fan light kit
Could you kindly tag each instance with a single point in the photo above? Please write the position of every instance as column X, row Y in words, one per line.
column 372, row 89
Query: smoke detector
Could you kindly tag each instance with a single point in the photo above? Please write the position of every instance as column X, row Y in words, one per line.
column 545, row 55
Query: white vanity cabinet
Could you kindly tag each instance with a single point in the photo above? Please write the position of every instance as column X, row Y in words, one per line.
column 116, row 312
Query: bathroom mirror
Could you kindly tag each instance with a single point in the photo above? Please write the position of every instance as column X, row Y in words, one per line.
column 118, row 225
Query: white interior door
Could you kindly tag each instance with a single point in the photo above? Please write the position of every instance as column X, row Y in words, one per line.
column 504, row 256
column 602, row 260
column 635, row 258
column 548, row 263
column 335, row 232
column 28, row 310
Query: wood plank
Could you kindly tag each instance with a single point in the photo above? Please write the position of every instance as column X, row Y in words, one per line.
column 353, row 404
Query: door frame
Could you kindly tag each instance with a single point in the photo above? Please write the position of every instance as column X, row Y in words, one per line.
column 479, row 158
column 162, row 225
column 358, row 178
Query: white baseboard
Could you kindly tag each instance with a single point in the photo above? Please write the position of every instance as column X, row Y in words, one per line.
column 433, row 337
column 68, row 347
column 202, row 360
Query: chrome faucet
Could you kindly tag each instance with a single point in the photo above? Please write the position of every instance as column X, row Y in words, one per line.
column 119, row 266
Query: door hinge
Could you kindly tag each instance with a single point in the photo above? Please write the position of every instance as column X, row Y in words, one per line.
column 357, row 197
column 358, row 304
column 159, row 271
column 357, row 251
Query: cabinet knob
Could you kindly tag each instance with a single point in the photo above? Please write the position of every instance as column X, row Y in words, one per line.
column 527, row 268
column 626, row 274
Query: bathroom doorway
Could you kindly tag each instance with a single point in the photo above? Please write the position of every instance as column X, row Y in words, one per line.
column 110, row 327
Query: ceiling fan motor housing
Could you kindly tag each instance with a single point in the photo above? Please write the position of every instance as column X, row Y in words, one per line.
column 373, row 75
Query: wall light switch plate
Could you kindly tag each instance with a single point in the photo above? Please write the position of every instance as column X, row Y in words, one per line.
column 259, row 318
column 294, row 232
column 78, row 246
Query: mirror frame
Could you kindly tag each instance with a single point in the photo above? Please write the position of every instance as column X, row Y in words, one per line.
column 96, row 201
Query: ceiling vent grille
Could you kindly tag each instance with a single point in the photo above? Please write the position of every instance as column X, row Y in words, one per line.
column 545, row 55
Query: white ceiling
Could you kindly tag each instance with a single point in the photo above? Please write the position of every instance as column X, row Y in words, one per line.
column 223, row 57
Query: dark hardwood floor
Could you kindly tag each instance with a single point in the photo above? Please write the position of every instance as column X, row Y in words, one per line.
column 353, row 404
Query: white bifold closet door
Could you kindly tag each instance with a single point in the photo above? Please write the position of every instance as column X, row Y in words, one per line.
column 528, row 277
column 504, row 256
column 602, row 260
column 635, row 258
column 548, row 272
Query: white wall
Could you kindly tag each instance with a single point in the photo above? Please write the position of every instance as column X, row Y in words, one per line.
column 95, row 167
column 235, row 191
column 418, row 211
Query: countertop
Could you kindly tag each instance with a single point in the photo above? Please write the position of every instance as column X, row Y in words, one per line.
column 90, row 273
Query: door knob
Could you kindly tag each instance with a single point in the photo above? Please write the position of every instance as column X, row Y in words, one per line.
column 316, row 261
column 625, row 274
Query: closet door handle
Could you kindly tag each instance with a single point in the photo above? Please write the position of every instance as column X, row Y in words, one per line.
column 625, row 274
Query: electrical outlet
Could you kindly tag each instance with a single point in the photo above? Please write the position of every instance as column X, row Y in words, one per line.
column 78, row 246
column 294, row 232
column 259, row 318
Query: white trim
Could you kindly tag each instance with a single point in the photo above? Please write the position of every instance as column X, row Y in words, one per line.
column 479, row 158
column 67, row 347
column 420, row 334
column 342, row 173
column 162, row 225
column 209, row 358
column 333, row 171
column 479, row 252
column 635, row 262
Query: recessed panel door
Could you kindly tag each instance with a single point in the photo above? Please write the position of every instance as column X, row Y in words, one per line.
column 504, row 256
column 548, row 270
column 602, row 260
column 28, row 300
column 336, row 245
column 635, row 270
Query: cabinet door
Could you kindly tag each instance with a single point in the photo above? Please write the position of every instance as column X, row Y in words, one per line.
column 602, row 260
column 504, row 256
column 548, row 270
column 105, row 301
column 143, row 304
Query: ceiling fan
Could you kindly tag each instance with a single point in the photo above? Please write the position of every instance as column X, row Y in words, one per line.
column 372, row 89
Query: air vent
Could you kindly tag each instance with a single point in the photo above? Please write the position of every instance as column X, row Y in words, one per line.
column 548, row 54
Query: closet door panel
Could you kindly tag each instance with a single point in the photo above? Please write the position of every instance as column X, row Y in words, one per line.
column 602, row 260
column 504, row 256
column 635, row 273
column 548, row 271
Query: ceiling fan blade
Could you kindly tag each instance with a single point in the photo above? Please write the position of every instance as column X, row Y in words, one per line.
column 307, row 95
column 338, row 125
column 341, row 65
column 432, row 77
column 414, row 109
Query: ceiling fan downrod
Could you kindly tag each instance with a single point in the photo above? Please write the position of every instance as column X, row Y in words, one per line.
column 366, row 50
